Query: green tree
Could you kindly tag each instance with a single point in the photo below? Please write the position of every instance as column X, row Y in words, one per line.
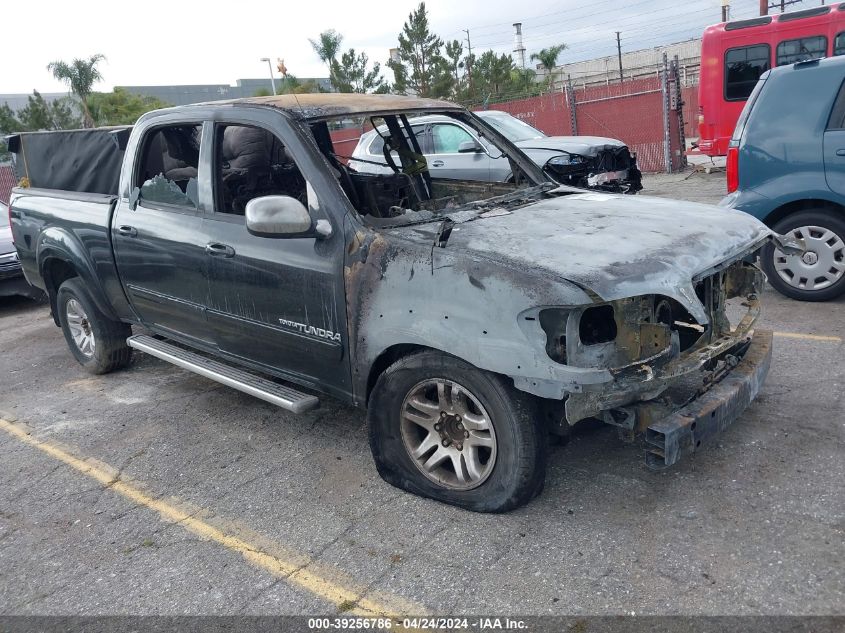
column 37, row 114
column 120, row 107
column 548, row 60
column 80, row 76
column 454, row 53
column 9, row 123
column 327, row 47
column 421, row 68
column 352, row 74
column 290, row 84
column 523, row 80
column 492, row 73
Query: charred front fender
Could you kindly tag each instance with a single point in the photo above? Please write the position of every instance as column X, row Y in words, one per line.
column 404, row 291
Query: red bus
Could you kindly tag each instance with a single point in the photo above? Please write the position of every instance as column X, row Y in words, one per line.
column 735, row 54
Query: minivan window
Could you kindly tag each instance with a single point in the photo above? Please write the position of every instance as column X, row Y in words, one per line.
column 839, row 44
column 837, row 115
column 801, row 50
column 743, row 67
column 746, row 111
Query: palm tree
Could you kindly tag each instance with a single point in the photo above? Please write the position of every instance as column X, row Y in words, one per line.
column 80, row 76
column 327, row 47
column 548, row 59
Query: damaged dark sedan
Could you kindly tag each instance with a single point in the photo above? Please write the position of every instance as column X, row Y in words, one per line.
column 474, row 320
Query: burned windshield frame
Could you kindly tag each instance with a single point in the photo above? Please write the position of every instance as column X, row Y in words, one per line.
column 406, row 192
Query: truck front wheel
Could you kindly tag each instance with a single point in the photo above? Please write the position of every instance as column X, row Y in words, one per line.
column 443, row 429
column 96, row 342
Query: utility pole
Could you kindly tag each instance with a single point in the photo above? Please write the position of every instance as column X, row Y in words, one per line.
column 764, row 7
column 272, row 79
column 469, row 60
column 782, row 4
column 726, row 10
column 619, row 54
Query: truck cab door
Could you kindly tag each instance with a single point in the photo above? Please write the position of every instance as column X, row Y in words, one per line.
column 157, row 234
column 834, row 146
column 277, row 304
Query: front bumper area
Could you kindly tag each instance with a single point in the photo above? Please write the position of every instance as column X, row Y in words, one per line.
column 690, row 427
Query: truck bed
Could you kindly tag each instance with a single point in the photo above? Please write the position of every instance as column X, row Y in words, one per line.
column 73, row 223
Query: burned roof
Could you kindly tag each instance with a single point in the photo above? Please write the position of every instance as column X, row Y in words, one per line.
column 326, row 105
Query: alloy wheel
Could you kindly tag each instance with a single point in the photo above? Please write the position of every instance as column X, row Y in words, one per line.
column 448, row 434
column 80, row 328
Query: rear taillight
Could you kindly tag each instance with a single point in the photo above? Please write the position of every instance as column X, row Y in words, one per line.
column 732, row 167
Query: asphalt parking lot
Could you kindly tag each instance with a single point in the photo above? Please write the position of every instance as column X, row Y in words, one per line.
column 155, row 491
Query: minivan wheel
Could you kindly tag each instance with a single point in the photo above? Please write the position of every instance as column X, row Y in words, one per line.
column 818, row 274
column 96, row 342
column 443, row 429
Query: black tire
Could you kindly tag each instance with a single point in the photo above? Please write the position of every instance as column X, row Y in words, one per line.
column 110, row 350
column 823, row 218
column 519, row 470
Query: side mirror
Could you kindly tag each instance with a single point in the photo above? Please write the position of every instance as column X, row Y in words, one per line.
column 469, row 147
column 280, row 216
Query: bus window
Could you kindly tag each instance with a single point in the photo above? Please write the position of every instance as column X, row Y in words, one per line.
column 743, row 67
column 839, row 44
column 791, row 51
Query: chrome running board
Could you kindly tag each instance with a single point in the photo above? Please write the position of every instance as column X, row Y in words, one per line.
column 281, row 395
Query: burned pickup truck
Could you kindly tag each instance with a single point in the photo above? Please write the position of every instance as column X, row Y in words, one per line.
column 472, row 319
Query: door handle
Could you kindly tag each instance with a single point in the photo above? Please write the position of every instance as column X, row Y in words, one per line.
column 437, row 163
column 219, row 250
column 128, row 231
column 840, row 152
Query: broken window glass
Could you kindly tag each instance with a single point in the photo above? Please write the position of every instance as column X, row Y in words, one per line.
column 170, row 166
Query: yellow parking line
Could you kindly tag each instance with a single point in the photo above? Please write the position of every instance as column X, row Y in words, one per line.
column 810, row 337
column 347, row 598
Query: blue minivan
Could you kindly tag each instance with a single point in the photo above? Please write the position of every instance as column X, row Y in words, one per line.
column 786, row 167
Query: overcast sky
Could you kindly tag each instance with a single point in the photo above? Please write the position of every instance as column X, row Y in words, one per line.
column 152, row 42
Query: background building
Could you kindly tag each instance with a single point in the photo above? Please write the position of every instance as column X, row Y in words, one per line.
column 635, row 64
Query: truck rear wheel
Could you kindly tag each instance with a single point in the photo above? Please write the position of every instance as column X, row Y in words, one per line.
column 818, row 274
column 443, row 429
column 96, row 342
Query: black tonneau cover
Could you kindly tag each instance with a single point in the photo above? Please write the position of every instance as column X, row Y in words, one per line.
column 85, row 161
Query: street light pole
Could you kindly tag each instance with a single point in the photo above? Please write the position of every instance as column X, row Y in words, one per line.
column 272, row 79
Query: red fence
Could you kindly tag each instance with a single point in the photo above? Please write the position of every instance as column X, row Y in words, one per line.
column 631, row 111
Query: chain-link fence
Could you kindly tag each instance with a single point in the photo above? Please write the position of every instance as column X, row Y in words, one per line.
column 7, row 181
column 652, row 115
